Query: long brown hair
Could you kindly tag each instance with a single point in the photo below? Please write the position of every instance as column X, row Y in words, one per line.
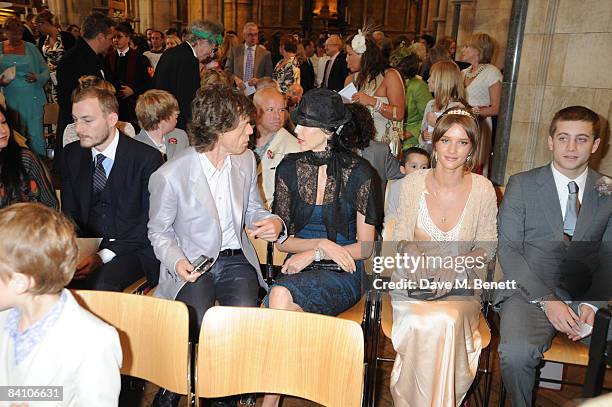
column 372, row 63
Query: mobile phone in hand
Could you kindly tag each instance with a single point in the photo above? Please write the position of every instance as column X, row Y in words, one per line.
column 202, row 264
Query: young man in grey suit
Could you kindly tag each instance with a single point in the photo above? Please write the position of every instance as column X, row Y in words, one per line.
column 201, row 203
column 555, row 228
column 249, row 62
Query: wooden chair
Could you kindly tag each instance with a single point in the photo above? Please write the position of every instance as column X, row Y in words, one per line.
column 566, row 351
column 50, row 114
column 154, row 335
column 248, row 350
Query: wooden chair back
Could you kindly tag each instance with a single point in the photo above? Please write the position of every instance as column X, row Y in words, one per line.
column 50, row 114
column 154, row 335
column 248, row 350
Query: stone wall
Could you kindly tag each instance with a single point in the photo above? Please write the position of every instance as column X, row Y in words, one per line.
column 565, row 60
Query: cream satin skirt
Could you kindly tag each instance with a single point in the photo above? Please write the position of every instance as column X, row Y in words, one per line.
column 438, row 345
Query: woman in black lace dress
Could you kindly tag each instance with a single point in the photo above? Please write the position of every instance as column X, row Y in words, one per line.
column 327, row 196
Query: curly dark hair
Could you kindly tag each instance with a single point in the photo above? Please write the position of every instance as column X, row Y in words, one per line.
column 216, row 109
column 289, row 42
column 363, row 125
column 96, row 23
column 372, row 62
column 409, row 66
column 11, row 166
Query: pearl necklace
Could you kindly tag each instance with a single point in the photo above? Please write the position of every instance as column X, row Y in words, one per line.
column 469, row 74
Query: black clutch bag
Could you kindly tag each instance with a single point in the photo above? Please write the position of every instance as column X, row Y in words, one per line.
column 327, row 265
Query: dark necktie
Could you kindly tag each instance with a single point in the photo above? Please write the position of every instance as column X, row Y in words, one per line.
column 571, row 210
column 99, row 175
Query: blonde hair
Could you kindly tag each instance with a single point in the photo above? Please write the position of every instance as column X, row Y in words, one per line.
column 155, row 106
column 229, row 42
column 89, row 81
column 210, row 76
column 485, row 46
column 40, row 243
column 448, row 84
column 171, row 38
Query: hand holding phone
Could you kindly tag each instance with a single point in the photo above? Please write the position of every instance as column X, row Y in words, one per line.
column 202, row 264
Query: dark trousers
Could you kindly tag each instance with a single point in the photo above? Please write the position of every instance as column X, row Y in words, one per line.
column 117, row 274
column 232, row 281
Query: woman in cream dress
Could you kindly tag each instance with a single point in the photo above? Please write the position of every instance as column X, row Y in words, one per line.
column 445, row 212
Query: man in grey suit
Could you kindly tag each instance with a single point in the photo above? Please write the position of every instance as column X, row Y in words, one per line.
column 201, row 203
column 249, row 62
column 157, row 113
column 555, row 229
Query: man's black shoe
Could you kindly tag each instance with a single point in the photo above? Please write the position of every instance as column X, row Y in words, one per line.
column 165, row 398
column 223, row 402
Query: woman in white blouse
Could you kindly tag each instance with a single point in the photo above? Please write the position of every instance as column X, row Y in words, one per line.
column 483, row 86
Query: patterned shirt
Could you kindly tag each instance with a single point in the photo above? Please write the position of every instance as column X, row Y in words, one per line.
column 27, row 340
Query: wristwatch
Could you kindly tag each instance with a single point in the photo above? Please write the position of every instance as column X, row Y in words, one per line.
column 540, row 302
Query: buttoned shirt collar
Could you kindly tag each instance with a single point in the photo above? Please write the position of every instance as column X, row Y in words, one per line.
column 561, row 182
column 123, row 52
column 26, row 341
column 110, row 151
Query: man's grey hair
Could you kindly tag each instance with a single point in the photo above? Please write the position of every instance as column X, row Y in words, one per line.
column 211, row 27
column 250, row 24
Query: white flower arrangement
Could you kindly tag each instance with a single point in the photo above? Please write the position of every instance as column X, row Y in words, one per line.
column 359, row 43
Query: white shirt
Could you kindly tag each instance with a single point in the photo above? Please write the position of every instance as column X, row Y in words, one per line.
column 193, row 50
column 218, row 182
column 105, row 254
column 329, row 68
column 161, row 147
column 321, row 70
column 561, row 182
column 123, row 52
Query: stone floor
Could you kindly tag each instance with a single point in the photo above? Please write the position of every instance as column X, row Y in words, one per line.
column 565, row 397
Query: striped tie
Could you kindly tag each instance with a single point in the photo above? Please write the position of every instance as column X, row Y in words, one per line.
column 99, row 175
column 248, row 70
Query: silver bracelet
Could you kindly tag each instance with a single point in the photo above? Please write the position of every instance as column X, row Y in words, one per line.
column 379, row 105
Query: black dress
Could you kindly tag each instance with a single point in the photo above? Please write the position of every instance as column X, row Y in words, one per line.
column 352, row 189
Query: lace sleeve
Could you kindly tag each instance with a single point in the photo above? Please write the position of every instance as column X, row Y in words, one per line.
column 282, row 203
column 367, row 199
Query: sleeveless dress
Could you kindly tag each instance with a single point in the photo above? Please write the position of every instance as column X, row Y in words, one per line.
column 441, row 335
column 318, row 290
column 387, row 131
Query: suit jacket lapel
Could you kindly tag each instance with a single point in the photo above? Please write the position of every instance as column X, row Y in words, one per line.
column 198, row 180
column 588, row 207
column 85, row 183
column 256, row 58
column 170, row 147
column 237, row 180
column 240, row 61
column 119, row 169
column 549, row 201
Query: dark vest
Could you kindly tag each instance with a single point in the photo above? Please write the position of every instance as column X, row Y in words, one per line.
column 101, row 221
